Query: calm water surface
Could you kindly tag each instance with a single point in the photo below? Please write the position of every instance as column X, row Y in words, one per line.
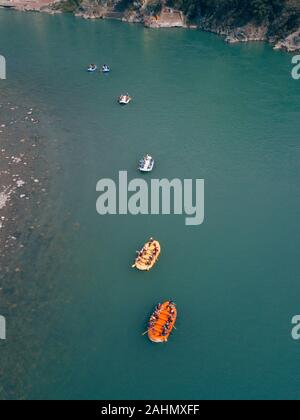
column 228, row 114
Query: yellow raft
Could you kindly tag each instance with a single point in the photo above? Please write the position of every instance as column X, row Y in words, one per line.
column 148, row 256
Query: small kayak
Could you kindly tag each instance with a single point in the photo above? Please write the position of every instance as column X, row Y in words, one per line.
column 146, row 164
column 148, row 256
column 105, row 69
column 162, row 322
column 124, row 99
column 92, row 68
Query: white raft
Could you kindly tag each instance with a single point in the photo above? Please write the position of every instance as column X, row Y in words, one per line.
column 105, row 69
column 92, row 68
column 146, row 164
column 124, row 99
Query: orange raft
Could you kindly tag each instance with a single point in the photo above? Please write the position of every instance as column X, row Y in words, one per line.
column 162, row 322
column 148, row 256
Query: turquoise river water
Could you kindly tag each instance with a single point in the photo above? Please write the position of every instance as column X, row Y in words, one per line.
column 204, row 109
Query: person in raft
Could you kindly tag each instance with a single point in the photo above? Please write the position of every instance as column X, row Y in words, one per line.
column 155, row 317
column 150, row 258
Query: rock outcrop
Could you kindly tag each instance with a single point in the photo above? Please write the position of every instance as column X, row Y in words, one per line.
column 168, row 18
column 232, row 35
column 251, row 32
column 291, row 43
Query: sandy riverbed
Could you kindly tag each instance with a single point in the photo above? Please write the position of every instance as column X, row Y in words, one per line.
column 22, row 193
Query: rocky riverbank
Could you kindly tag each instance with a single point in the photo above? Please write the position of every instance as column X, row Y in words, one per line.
column 165, row 17
column 252, row 33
